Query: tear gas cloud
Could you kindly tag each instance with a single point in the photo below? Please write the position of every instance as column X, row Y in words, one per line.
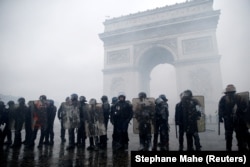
column 53, row 48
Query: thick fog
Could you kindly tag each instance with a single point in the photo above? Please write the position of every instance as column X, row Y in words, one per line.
column 52, row 47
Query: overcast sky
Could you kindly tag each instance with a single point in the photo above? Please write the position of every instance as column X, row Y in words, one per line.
column 52, row 47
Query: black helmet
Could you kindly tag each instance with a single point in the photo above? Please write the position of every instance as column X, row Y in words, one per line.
column 230, row 89
column 42, row 97
column 158, row 101
column 163, row 97
column 74, row 96
column 122, row 94
column 51, row 102
column 114, row 100
column 11, row 103
column 67, row 99
column 142, row 95
column 21, row 100
column 82, row 99
column 104, row 98
column 187, row 93
column 92, row 101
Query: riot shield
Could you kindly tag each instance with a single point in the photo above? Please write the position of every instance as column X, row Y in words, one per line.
column 39, row 114
column 244, row 100
column 201, row 123
column 137, row 106
column 96, row 125
column 70, row 116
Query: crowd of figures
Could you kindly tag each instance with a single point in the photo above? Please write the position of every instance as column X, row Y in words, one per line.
column 90, row 121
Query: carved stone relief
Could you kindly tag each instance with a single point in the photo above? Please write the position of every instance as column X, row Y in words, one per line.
column 197, row 45
column 118, row 56
column 140, row 48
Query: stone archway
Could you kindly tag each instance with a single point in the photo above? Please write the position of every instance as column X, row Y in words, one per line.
column 183, row 35
column 149, row 59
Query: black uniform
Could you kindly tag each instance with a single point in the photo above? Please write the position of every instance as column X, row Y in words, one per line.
column 231, row 111
column 113, row 115
column 2, row 109
column 19, row 117
column 60, row 115
column 124, row 114
column 8, row 118
column 190, row 117
column 179, row 122
column 106, row 113
column 161, row 126
column 81, row 134
column 49, row 137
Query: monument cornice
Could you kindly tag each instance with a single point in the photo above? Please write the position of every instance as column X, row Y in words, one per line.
column 207, row 59
column 119, row 70
column 163, row 13
column 208, row 20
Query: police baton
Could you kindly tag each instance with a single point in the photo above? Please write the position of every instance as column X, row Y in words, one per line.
column 218, row 124
column 176, row 131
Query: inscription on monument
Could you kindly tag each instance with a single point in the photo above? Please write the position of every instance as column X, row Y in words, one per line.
column 118, row 56
column 197, row 45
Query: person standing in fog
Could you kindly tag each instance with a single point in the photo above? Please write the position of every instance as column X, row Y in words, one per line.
column 19, row 117
column 190, row 117
column 8, row 118
column 81, row 134
column 106, row 113
column 75, row 113
column 92, row 121
column 113, row 120
column 161, row 125
column 231, row 112
column 2, row 110
column 28, row 126
column 144, row 115
column 60, row 115
column 49, row 137
column 179, row 122
column 124, row 114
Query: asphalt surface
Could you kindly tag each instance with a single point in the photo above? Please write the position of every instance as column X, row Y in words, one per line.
column 57, row 155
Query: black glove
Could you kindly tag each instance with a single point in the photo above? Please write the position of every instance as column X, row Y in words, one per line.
column 220, row 119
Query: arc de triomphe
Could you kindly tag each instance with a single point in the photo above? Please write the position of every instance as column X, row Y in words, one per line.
column 183, row 35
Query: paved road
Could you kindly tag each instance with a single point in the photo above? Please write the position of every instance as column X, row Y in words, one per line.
column 57, row 155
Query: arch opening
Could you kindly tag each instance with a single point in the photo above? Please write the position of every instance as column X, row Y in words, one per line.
column 148, row 61
column 163, row 81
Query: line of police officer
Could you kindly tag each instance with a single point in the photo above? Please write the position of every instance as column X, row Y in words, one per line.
column 231, row 112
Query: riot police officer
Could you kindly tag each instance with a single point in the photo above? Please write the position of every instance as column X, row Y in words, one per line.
column 113, row 121
column 39, row 115
column 92, row 120
column 231, row 112
column 2, row 109
column 124, row 113
column 190, row 117
column 106, row 113
column 71, row 130
column 179, row 122
column 8, row 120
column 60, row 115
column 81, row 135
column 161, row 124
column 144, row 118
column 49, row 137
column 19, row 117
